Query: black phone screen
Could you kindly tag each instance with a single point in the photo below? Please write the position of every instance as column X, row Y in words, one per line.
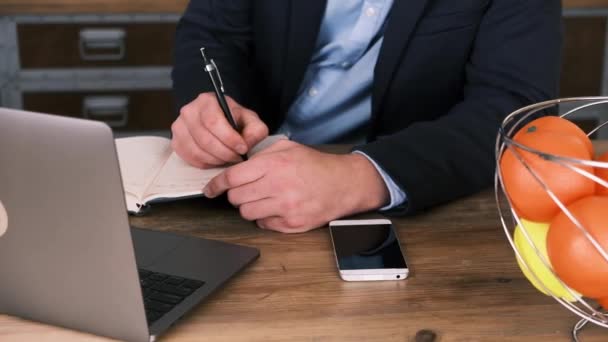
column 373, row 246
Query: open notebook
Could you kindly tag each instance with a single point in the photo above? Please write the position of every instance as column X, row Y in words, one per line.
column 151, row 171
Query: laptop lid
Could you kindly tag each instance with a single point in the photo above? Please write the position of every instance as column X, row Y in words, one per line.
column 66, row 253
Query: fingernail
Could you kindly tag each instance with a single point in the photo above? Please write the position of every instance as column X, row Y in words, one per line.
column 242, row 149
column 208, row 193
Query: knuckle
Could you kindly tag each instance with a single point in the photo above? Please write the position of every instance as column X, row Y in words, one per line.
column 212, row 187
column 282, row 160
column 246, row 212
column 184, row 110
column 249, row 112
column 230, row 175
column 260, row 130
column 205, row 139
column 235, row 106
column 202, row 97
column 193, row 154
column 198, row 158
column 187, row 111
column 176, row 128
column 278, row 185
column 233, row 196
column 212, row 121
column 188, row 157
column 293, row 222
column 289, row 205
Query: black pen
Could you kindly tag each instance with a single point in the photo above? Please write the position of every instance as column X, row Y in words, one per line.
column 218, row 86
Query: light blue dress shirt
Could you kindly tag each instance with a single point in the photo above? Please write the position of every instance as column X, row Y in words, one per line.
column 334, row 99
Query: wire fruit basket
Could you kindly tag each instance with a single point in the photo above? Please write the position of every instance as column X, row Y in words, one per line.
column 550, row 191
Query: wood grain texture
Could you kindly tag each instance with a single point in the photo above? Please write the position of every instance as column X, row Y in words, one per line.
column 583, row 56
column 147, row 109
column 585, row 3
column 152, row 6
column 464, row 284
column 91, row 6
column 58, row 45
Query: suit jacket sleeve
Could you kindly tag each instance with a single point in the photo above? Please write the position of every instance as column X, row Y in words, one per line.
column 224, row 28
column 515, row 61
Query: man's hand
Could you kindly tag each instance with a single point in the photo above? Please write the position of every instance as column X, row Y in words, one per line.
column 292, row 188
column 203, row 137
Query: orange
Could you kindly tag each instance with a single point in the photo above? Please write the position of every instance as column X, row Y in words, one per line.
column 574, row 259
column 603, row 174
column 530, row 200
column 557, row 125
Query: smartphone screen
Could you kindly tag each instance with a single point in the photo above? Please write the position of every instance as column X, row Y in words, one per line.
column 360, row 247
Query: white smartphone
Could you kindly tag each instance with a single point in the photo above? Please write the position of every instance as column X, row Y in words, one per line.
column 367, row 250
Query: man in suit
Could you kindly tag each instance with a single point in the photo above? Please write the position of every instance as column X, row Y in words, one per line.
column 427, row 82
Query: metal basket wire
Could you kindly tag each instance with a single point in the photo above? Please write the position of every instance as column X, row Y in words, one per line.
column 585, row 308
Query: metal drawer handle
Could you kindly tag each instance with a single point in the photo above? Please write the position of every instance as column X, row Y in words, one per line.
column 102, row 44
column 113, row 110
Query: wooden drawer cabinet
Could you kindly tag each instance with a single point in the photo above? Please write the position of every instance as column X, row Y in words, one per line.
column 59, row 56
column 123, row 111
column 113, row 68
column 583, row 56
column 95, row 44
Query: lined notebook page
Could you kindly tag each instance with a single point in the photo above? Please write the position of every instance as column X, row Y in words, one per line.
column 140, row 161
column 178, row 178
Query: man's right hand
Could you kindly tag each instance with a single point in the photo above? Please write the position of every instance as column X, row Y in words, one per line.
column 203, row 137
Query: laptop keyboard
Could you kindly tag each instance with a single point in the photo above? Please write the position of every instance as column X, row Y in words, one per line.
column 162, row 292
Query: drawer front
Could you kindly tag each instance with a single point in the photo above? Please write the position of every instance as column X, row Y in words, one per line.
column 95, row 45
column 123, row 111
column 583, row 57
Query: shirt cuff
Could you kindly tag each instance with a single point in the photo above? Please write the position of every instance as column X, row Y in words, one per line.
column 398, row 196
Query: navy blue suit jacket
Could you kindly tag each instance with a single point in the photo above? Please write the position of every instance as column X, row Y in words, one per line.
column 448, row 72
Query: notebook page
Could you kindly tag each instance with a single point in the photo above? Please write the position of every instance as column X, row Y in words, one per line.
column 178, row 178
column 140, row 160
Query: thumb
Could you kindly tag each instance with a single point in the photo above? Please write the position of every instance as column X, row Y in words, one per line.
column 253, row 129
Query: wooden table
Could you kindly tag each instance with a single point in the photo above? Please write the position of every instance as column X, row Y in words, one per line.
column 464, row 286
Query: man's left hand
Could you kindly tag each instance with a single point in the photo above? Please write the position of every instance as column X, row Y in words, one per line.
column 292, row 188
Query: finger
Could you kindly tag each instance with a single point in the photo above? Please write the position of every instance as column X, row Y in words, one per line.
column 282, row 225
column 256, row 210
column 207, row 141
column 254, row 191
column 253, row 130
column 189, row 151
column 183, row 144
column 218, row 125
column 235, row 176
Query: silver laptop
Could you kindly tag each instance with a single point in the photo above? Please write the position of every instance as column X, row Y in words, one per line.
column 67, row 254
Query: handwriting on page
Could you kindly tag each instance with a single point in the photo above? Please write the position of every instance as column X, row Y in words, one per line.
column 178, row 176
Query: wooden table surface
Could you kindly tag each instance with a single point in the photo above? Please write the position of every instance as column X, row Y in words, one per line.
column 464, row 285
column 153, row 6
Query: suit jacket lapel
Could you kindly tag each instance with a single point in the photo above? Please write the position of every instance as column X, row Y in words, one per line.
column 403, row 19
column 304, row 23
